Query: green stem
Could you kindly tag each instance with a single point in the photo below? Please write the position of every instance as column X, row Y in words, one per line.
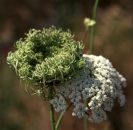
column 52, row 117
column 93, row 27
column 90, row 51
column 60, row 118
column 52, row 113
column 85, row 117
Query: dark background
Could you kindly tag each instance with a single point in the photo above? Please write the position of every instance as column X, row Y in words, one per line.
column 113, row 40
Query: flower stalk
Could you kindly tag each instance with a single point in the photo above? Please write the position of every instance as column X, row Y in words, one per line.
column 93, row 27
column 85, row 117
column 61, row 117
column 52, row 117
column 90, row 52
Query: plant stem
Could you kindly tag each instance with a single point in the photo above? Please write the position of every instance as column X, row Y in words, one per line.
column 85, row 35
column 90, row 51
column 52, row 112
column 93, row 27
column 52, row 117
column 85, row 117
column 60, row 118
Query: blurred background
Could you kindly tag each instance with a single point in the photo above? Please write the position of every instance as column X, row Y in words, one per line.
column 113, row 40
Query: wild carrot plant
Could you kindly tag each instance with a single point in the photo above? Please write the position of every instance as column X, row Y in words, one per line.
column 53, row 66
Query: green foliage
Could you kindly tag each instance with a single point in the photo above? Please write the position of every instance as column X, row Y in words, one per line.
column 46, row 59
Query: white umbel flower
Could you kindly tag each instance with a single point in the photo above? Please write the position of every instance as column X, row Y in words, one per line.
column 79, row 110
column 59, row 103
column 99, row 82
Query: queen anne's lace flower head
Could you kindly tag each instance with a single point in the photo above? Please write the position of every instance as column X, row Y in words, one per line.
column 45, row 59
column 98, row 82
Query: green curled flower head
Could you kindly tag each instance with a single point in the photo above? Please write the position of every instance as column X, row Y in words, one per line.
column 46, row 59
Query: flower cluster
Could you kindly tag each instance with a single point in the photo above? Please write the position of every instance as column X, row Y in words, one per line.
column 46, row 59
column 53, row 67
column 98, row 82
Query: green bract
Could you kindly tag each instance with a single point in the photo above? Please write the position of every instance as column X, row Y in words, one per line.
column 46, row 59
